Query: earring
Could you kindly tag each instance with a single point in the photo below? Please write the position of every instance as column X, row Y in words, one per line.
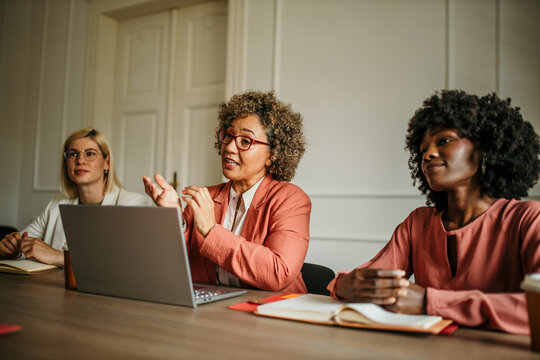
column 483, row 166
column 106, row 172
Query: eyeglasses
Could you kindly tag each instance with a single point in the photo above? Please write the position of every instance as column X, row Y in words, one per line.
column 242, row 142
column 89, row 154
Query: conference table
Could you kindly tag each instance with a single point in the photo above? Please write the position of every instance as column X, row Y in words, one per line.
column 65, row 324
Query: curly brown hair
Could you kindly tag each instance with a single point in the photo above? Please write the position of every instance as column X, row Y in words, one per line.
column 283, row 128
column 509, row 145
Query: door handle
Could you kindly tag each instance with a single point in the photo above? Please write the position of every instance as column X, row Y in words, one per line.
column 174, row 183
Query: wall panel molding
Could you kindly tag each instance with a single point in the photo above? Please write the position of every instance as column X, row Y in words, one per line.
column 42, row 153
column 171, row 94
column 187, row 128
column 20, row 37
column 139, row 42
column 276, row 60
column 35, row 181
column 201, row 161
column 67, row 71
column 137, row 125
column 447, row 45
column 59, row 87
column 497, row 46
column 213, row 25
column 235, row 77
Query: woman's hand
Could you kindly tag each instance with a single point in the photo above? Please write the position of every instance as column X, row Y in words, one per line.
column 412, row 303
column 203, row 208
column 34, row 248
column 10, row 245
column 164, row 195
column 383, row 287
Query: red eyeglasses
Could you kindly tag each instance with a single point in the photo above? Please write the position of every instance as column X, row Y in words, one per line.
column 242, row 142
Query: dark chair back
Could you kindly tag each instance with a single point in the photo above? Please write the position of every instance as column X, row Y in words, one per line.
column 5, row 229
column 316, row 277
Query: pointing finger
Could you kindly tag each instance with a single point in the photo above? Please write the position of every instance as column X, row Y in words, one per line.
column 160, row 180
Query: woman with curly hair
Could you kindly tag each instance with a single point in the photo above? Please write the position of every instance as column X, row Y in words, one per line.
column 473, row 158
column 252, row 231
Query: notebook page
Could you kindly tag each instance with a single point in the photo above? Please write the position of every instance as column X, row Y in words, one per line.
column 308, row 307
column 379, row 315
column 26, row 265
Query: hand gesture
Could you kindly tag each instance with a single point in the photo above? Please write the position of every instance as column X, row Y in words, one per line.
column 203, row 208
column 383, row 287
column 163, row 195
column 412, row 303
column 10, row 245
column 34, row 248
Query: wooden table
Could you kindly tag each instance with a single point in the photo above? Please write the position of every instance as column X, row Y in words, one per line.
column 59, row 324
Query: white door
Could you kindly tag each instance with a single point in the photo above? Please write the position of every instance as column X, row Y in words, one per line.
column 141, row 92
column 199, row 88
column 169, row 79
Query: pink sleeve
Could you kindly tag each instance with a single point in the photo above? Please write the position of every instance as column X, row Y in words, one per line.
column 276, row 263
column 395, row 255
column 502, row 311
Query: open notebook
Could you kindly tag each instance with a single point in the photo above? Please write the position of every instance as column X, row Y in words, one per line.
column 322, row 309
column 25, row 266
column 134, row 252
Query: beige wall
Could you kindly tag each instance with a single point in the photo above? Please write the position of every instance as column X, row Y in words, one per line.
column 41, row 97
column 355, row 69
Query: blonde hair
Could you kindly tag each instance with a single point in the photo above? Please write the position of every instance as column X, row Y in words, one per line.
column 69, row 187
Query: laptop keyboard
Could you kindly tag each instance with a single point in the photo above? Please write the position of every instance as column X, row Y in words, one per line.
column 211, row 293
column 204, row 295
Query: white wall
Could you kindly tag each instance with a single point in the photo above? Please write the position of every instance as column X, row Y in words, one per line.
column 42, row 78
column 14, row 32
column 355, row 69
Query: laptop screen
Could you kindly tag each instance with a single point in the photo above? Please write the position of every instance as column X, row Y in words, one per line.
column 132, row 252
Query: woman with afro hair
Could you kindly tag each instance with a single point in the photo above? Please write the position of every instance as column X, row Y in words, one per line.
column 253, row 230
column 473, row 158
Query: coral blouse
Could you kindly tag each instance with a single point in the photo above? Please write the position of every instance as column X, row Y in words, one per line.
column 494, row 252
column 269, row 252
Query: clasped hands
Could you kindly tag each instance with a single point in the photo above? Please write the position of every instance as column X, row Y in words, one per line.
column 199, row 198
column 388, row 288
column 32, row 248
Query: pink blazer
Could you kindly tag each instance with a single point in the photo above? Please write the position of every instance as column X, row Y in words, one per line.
column 271, row 249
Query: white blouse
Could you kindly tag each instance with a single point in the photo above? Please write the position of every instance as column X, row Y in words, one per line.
column 234, row 221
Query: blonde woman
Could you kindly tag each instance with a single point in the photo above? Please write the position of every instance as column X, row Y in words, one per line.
column 87, row 177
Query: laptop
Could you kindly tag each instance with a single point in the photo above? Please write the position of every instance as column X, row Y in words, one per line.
column 134, row 252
